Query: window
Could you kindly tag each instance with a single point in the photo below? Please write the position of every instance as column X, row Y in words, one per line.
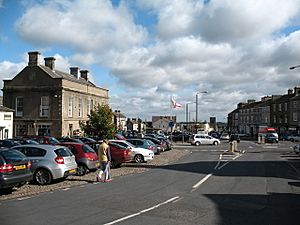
column 279, row 107
column 44, row 107
column 88, row 106
column 295, row 117
column 79, row 107
column 70, row 107
column 274, row 107
column 285, row 106
column 274, row 119
column 285, row 119
column 19, row 106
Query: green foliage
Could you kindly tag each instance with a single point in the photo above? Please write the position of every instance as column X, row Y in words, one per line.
column 100, row 123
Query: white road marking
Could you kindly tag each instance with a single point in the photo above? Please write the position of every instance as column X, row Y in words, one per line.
column 23, row 198
column 66, row 189
column 202, row 181
column 143, row 211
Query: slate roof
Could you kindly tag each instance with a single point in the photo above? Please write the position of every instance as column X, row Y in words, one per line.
column 5, row 109
column 62, row 75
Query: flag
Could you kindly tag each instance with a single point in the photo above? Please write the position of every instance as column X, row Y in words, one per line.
column 175, row 104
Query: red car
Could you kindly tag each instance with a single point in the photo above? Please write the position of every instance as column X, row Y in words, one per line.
column 86, row 158
column 119, row 154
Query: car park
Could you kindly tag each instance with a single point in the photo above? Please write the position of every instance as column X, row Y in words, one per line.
column 48, row 140
column 200, row 139
column 119, row 154
column 68, row 139
column 86, row 158
column 14, row 169
column 159, row 144
column 143, row 143
column 49, row 162
column 139, row 154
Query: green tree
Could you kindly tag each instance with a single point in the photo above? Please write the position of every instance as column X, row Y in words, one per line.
column 100, row 123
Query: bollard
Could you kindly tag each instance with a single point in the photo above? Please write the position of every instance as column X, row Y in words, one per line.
column 234, row 146
column 259, row 140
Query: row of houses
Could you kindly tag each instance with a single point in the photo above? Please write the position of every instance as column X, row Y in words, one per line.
column 279, row 111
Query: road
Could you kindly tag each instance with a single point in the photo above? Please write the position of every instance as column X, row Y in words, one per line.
column 258, row 186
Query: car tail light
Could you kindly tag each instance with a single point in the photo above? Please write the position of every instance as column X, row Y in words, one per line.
column 60, row 160
column 29, row 164
column 90, row 158
column 6, row 168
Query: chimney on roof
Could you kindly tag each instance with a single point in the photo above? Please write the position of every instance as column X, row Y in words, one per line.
column 50, row 62
column 84, row 74
column 74, row 71
column 33, row 58
column 266, row 98
column 250, row 101
column 290, row 91
column 297, row 91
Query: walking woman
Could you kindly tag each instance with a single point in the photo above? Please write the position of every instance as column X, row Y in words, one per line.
column 104, row 158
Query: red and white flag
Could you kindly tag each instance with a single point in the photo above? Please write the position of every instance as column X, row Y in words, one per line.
column 175, row 104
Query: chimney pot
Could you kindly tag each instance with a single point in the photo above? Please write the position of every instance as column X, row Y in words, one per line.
column 33, row 58
column 84, row 74
column 50, row 62
column 74, row 71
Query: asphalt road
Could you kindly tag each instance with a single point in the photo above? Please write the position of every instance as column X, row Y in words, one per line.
column 258, row 186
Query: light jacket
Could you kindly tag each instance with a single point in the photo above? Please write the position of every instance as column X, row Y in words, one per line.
column 104, row 152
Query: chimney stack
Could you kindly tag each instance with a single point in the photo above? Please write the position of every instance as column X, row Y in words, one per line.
column 74, row 71
column 297, row 91
column 50, row 62
column 290, row 91
column 84, row 74
column 33, row 58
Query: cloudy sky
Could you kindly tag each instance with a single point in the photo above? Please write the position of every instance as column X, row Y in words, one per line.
column 145, row 51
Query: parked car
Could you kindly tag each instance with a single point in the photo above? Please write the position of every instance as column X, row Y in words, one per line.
column 68, row 139
column 43, row 139
column 14, row 169
column 49, row 162
column 224, row 136
column 86, row 139
column 199, row 139
column 294, row 138
column 160, row 145
column 7, row 143
column 297, row 149
column 139, row 154
column 143, row 143
column 86, row 158
column 119, row 154
column 271, row 138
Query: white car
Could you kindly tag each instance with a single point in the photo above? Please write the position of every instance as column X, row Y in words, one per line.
column 200, row 139
column 139, row 154
column 294, row 138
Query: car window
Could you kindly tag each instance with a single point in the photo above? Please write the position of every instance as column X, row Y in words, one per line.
column 12, row 156
column 139, row 142
column 150, row 142
column 87, row 149
column 34, row 152
column 63, row 152
column 53, row 141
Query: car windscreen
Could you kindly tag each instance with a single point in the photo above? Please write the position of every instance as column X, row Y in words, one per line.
column 63, row 152
column 53, row 141
column 87, row 149
column 12, row 156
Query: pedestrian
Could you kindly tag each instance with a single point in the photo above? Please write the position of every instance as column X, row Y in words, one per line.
column 104, row 158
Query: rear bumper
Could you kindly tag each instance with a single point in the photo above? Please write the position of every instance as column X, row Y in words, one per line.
column 12, row 181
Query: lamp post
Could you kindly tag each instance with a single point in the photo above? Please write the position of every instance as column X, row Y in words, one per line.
column 201, row 92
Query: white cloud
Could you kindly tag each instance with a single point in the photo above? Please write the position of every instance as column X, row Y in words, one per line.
column 82, row 25
column 235, row 50
column 9, row 70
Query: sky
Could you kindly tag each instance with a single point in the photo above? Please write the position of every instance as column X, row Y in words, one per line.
column 145, row 51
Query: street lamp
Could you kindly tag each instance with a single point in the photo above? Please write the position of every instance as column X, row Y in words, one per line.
column 201, row 92
column 294, row 67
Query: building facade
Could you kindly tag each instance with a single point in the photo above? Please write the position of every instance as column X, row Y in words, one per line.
column 279, row 111
column 6, row 122
column 50, row 102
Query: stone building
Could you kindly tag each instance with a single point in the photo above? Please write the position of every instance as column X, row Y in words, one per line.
column 50, row 102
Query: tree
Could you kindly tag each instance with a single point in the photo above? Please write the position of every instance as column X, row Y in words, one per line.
column 100, row 123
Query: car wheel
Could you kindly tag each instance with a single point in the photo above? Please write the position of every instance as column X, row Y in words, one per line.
column 215, row 143
column 42, row 177
column 81, row 170
column 197, row 143
column 114, row 165
column 138, row 158
column 292, row 140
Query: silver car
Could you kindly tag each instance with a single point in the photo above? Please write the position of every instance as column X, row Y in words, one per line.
column 49, row 162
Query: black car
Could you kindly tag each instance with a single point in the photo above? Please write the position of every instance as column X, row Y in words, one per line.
column 14, row 169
